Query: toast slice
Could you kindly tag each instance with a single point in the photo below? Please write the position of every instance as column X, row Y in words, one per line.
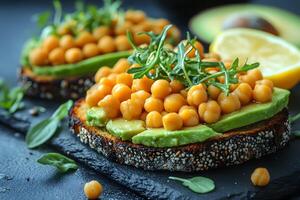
column 47, row 87
column 231, row 148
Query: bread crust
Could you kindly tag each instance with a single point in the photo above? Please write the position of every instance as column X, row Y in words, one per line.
column 231, row 148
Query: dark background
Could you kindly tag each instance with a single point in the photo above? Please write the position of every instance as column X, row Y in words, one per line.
column 20, row 176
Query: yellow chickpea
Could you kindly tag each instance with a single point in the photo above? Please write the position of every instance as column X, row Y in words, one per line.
column 111, row 106
column 200, row 49
column 135, row 16
column 161, row 88
column 213, row 92
column 265, row 82
column 140, row 96
column 50, row 43
column 130, row 109
column 187, row 107
column 96, row 93
column 125, row 78
column 122, row 43
column 174, row 102
column 93, row 189
column 262, row 93
column 108, row 82
column 229, row 103
column 248, row 79
column 189, row 117
column 256, row 74
column 73, row 55
column 38, row 56
column 154, row 120
column 63, row 29
column 244, row 93
column 90, row 50
column 209, row 112
column 183, row 93
column 142, row 84
column 176, row 86
column 106, row 44
column 57, row 56
column 141, row 39
column 67, row 42
column 101, row 31
column 121, row 66
column 113, row 77
column 196, row 95
column 102, row 72
column 154, row 104
column 260, row 177
column 122, row 29
column 159, row 24
column 84, row 38
column 121, row 92
column 172, row 122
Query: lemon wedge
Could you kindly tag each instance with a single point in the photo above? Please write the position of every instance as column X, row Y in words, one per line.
column 279, row 60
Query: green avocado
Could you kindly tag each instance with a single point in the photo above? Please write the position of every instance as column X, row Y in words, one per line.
column 96, row 116
column 85, row 67
column 124, row 129
column 208, row 24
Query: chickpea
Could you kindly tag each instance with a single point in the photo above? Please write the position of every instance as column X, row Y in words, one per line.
column 50, row 43
column 102, row 72
column 213, row 92
column 146, row 25
column 122, row 29
column 121, row 92
column 135, row 16
column 265, row 82
column 84, row 38
column 108, row 82
column 174, row 33
column 189, row 117
column 113, row 77
column 130, row 109
column 244, row 93
column 125, row 78
column 107, row 44
column 144, row 116
column 142, row 84
column 161, row 88
column 255, row 73
column 196, row 95
column 229, row 103
column 67, row 42
column 96, row 93
column 63, row 29
column 172, row 122
column 174, row 102
column 90, row 50
column 111, row 106
column 140, row 96
column 183, row 93
column 121, row 66
column 141, row 39
column 101, row 31
column 260, row 177
column 154, row 120
column 262, row 93
column 154, row 104
column 122, row 43
column 247, row 79
column 187, row 107
column 200, row 49
column 209, row 112
column 38, row 56
column 159, row 25
column 57, row 56
column 176, row 86
column 93, row 189
column 73, row 55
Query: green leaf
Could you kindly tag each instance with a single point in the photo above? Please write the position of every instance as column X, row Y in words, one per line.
column 42, row 19
column 296, row 133
column 41, row 132
column 62, row 111
column 294, row 118
column 197, row 184
column 61, row 162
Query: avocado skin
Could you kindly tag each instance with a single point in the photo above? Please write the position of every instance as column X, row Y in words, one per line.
column 124, row 129
column 96, row 117
column 253, row 112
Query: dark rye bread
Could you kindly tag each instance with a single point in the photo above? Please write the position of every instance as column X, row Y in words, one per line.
column 47, row 87
column 233, row 147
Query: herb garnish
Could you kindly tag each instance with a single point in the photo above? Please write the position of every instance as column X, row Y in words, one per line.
column 61, row 162
column 197, row 184
column 294, row 118
column 45, row 129
column 157, row 61
column 296, row 133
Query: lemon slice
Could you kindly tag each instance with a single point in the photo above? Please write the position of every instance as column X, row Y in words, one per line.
column 279, row 60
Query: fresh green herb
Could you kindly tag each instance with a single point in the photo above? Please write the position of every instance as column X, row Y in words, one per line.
column 294, row 118
column 11, row 99
column 296, row 133
column 42, row 19
column 45, row 129
column 197, row 184
column 61, row 162
column 175, row 64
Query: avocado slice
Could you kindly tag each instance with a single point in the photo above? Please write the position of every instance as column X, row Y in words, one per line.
column 253, row 113
column 125, row 129
column 96, row 116
column 208, row 24
column 87, row 66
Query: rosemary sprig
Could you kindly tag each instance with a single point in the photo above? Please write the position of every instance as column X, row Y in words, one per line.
column 175, row 64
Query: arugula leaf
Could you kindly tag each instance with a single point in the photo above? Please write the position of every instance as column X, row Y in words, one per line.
column 197, row 184
column 61, row 162
column 294, row 118
column 42, row 19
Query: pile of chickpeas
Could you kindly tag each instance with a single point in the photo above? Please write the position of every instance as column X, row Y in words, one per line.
column 68, row 48
column 168, row 104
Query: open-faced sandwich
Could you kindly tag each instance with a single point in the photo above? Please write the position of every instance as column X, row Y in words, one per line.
column 61, row 61
column 179, row 109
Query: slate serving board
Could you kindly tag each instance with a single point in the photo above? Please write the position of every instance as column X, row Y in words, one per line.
column 231, row 183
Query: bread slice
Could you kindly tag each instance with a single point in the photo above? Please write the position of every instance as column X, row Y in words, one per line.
column 231, row 148
column 48, row 87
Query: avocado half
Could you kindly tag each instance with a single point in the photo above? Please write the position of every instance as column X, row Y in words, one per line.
column 208, row 24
